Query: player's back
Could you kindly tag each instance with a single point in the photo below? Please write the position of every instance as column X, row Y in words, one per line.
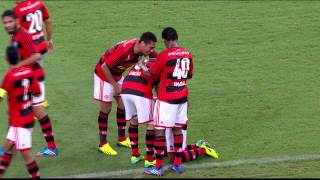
column 32, row 14
column 177, row 68
column 138, row 83
column 20, row 85
column 118, row 58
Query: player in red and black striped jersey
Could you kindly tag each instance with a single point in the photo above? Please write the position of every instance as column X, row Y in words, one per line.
column 32, row 14
column 19, row 84
column 108, row 80
column 174, row 67
column 138, row 101
column 30, row 56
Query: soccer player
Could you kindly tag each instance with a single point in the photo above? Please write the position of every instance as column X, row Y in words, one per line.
column 138, row 102
column 108, row 80
column 174, row 67
column 19, row 84
column 30, row 56
column 32, row 14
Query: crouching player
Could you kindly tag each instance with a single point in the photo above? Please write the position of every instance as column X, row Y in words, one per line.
column 138, row 101
column 19, row 84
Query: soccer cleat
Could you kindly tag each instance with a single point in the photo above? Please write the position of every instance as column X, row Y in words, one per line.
column 152, row 170
column 1, row 151
column 148, row 164
column 125, row 143
column 210, row 151
column 135, row 160
column 47, row 152
column 46, row 104
column 177, row 169
column 107, row 149
column 200, row 142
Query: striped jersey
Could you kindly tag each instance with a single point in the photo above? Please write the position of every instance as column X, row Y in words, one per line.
column 173, row 67
column 31, row 15
column 20, row 84
column 23, row 42
column 138, row 83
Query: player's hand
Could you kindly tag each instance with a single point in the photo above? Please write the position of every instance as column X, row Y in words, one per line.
column 14, row 66
column 116, row 88
column 50, row 45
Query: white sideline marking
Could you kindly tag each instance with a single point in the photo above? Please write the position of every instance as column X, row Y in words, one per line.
column 203, row 165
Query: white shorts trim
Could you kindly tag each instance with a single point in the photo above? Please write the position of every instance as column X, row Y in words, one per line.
column 102, row 90
column 170, row 115
column 22, row 137
column 38, row 100
column 138, row 106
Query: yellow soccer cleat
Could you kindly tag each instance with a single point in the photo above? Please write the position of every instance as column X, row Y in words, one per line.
column 125, row 143
column 46, row 104
column 211, row 152
column 107, row 149
column 135, row 160
column 149, row 164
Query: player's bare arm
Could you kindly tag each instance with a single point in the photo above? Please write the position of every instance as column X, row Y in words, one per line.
column 48, row 26
column 31, row 60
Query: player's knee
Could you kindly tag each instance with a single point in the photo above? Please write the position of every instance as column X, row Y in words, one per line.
column 134, row 121
column 105, row 107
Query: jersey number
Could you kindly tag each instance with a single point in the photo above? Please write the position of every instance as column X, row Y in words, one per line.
column 182, row 68
column 36, row 21
column 25, row 83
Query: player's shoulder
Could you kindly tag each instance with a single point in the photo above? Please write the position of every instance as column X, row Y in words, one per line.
column 128, row 43
column 21, row 72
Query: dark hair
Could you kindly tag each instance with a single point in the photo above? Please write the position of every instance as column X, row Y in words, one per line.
column 169, row 34
column 9, row 13
column 148, row 37
column 12, row 55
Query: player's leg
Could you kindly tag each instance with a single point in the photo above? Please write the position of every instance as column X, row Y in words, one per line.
column 103, row 93
column 24, row 145
column 170, row 145
column 30, row 163
column 131, row 116
column 41, row 62
column 163, row 116
column 177, row 140
column 45, row 123
column 149, row 141
column 46, row 127
column 210, row 150
column 181, row 119
column 121, row 123
column 7, row 156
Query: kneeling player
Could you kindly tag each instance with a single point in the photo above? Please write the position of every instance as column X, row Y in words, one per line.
column 19, row 84
column 137, row 99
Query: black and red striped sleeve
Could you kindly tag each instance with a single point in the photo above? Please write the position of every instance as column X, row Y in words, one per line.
column 117, row 56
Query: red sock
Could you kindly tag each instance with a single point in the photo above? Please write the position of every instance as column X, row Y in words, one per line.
column 178, row 139
column 159, row 145
column 33, row 170
column 103, row 127
column 5, row 162
column 134, row 140
column 46, row 127
column 121, row 122
column 150, row 144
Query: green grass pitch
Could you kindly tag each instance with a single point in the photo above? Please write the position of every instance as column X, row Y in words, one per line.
column 255, row 91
